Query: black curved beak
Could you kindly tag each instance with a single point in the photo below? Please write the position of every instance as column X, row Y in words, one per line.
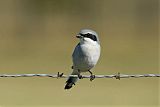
column 78, row 36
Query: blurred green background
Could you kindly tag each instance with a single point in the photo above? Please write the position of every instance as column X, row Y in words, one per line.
column 38, row 36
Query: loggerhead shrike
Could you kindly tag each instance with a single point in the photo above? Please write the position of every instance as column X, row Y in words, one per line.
column 85, row 55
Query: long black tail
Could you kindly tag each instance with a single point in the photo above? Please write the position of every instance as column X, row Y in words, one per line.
column 71, row 80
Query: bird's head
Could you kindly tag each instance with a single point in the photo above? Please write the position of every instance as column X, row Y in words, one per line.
column 88, row 35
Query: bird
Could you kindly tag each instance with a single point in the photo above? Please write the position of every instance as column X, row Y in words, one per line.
column 85, row 56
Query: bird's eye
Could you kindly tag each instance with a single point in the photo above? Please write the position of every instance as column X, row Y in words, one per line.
column 88, row 35
column 91, row 36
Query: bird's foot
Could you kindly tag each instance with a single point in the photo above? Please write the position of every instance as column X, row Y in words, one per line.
column 92, row 77
column 80, row 76
column 72, row 67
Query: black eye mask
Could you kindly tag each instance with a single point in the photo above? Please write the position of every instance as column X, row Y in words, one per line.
column 88, row 35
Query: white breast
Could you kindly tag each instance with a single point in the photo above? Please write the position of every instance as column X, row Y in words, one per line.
column 87, row 56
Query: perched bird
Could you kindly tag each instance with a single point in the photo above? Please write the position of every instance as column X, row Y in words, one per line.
column 85, row 55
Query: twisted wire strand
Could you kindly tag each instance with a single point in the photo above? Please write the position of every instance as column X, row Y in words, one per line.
column 58, row 75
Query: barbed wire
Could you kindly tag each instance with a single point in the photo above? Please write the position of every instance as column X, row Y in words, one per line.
column 61, row 75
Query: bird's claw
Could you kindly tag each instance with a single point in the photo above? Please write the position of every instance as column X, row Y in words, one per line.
column 80, row 76
column 92, row 77
column 72, row 67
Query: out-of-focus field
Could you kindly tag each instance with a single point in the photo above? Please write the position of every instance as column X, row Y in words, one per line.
column 38, row 36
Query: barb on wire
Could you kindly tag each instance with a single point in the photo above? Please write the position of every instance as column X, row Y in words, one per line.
column 61, row 75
